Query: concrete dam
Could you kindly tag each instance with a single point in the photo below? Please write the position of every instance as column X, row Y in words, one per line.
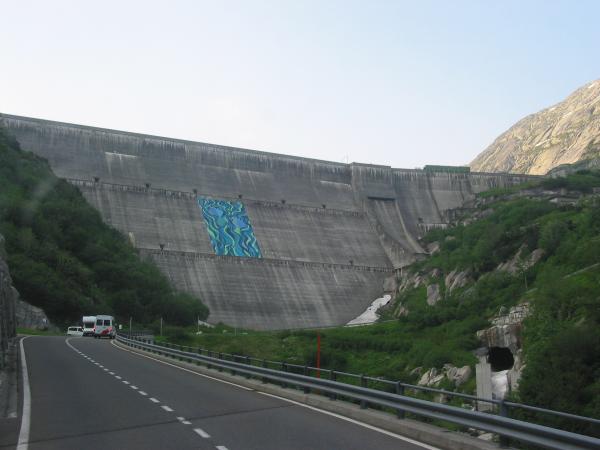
column 267, row 241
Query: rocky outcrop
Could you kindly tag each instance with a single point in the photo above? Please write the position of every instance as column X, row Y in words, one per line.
column 457, row 279
column 433, row 294
column 506, row 328
column 520, row 262
column 432, row 378
column 562, row 134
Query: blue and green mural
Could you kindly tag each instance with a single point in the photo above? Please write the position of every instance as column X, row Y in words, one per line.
column 229, row 228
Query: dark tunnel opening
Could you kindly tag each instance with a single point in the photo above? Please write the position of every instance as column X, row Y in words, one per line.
column 500, row 358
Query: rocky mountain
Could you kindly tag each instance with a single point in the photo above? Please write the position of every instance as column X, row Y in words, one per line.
column 562, row 134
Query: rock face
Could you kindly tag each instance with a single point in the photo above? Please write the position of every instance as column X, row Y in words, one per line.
column 562, row 134
column 7, row 307
column 29, row 316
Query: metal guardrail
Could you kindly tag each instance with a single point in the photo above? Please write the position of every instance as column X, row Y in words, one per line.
column 543, row 436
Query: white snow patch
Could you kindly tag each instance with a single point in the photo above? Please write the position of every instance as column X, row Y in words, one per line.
column 370, row 315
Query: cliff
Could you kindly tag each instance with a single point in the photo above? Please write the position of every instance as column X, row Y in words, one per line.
column 561, row 134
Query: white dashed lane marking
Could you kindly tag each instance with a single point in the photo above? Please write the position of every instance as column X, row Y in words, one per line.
column 202, row 433
column 199, row 431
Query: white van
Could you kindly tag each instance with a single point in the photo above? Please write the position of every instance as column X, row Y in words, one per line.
column 105, row 327
column 74, row 331
column 89, row 322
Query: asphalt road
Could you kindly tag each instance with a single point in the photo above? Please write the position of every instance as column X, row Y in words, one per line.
column 90, row 394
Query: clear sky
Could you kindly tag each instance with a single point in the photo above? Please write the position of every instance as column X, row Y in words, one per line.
column 400, row 83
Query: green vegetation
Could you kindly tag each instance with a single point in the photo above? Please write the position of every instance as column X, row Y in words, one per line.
column 36, row 332
column 64, row 259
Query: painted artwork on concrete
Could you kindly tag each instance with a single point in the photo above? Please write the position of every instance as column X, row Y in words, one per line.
column 229, row 228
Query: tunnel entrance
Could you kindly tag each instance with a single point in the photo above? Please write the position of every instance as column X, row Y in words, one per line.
column 500, row 358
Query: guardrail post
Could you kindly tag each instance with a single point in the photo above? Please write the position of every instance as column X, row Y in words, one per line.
column 220, row 357
column 504, row 441
column 249, row 363
column 284, row 368
column 264, row 364
column 233, row 370
column 363, row 383
column 306, row 388
column 400, row 413
column 333, row 377
column 209, row 354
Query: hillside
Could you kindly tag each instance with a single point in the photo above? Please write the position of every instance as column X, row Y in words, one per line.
column 64, row 259
column 562, row 134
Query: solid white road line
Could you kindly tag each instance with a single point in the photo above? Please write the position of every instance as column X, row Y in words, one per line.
column 184, row 369
column 356, row 422
column 154, row 400
column 23, row 443
column 166, row 408
column 202, row 433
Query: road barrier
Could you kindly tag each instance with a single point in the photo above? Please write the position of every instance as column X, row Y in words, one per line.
column 505, row 427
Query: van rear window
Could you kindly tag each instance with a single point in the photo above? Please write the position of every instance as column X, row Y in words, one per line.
column 99, row 322
column 88, row 325
column 107, row 323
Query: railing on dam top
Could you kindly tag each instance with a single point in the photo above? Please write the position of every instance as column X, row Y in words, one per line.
column 141, row 189
column 384, row 394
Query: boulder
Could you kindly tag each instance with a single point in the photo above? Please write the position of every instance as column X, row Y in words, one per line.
column 433, row 294
column 459, row 375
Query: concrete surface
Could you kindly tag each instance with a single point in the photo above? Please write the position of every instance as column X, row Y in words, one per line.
column 301, row 210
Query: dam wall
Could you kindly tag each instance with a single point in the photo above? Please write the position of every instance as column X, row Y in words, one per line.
column 324, row 235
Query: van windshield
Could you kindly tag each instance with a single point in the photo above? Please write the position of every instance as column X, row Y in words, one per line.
column 99, row 322
column 107, row 323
